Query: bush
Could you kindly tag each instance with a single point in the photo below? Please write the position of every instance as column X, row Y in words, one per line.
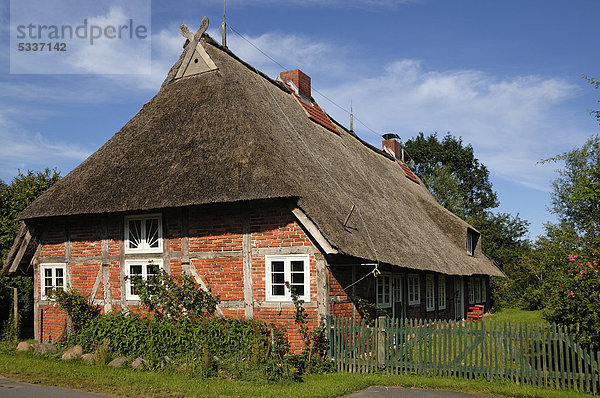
column 79, row 309
column 576, row 301
column 204, row 346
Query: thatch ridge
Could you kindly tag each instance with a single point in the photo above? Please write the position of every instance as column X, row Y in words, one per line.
column 221, row 136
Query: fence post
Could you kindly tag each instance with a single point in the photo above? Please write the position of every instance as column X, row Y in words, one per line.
column 16, row 313
column 381, row 340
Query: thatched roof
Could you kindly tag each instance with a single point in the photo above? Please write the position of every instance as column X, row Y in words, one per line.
column 220, row 137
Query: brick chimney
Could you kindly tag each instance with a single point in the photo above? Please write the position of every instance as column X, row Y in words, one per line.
column 389, row 141
column 300, row 80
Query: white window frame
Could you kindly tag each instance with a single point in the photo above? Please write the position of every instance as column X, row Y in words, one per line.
column 429, row 292
column 53, row 267
column 287, row 267
column 144, row 263
column 471, row 290
column 144, row 248
column 442, row 292
column 470, row 248
column 414, row 289
column 383, row 282
column 478, row 290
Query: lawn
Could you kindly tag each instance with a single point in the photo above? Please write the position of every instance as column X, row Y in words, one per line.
column 129, row 382
column 517, row 315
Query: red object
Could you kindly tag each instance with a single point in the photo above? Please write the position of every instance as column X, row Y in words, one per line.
column 316, row 114
column 475, row 312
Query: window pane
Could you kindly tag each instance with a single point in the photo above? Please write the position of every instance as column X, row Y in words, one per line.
column 59, row 282
column 48, row 273
column 135, row 233
column 277, row 266
column 277, row 277
column 152, row 232
column 135, row 270
column 58, row 272
column 48, row 283
column 297, row 266
column 299, row 289
column 278, row 290
column 297, row 278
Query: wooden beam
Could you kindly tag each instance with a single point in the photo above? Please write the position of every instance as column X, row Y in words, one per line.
column 247, row 266
column 313, row 230
column 322, row 288
column 122, row 273
column 105, row 266
column 14, row 248
column 96, row 283
column 21, row 252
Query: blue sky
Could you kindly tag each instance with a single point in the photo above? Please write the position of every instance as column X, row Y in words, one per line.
column 504, row 76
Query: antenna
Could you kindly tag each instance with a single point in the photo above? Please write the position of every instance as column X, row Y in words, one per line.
column 224, row 29
column 351, row 117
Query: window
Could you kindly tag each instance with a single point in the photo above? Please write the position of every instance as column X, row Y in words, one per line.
column 143, row 234
column 293, row 269
column 477, row 290
column 483, row 290
column 414, row 294
column 469, row 242
column 429, row 293
column 442, row 292
column 470, row 291
column 52, row 278
column 383, row 291
column 143, row 268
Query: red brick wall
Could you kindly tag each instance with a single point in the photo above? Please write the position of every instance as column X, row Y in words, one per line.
column 209, row 230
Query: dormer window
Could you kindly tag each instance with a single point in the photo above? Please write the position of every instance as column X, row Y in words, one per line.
column 143, row 234
column 472, row 237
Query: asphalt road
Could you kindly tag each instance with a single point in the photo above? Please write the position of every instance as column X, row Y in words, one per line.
column 400, row 392
column 15, row 389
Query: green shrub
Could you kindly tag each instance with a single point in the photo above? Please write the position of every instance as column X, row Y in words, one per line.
column 79, row 309
column 576, row 301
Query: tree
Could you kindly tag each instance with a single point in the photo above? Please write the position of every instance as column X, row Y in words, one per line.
column 14, row 197
column 452, row 173
column 576, row 193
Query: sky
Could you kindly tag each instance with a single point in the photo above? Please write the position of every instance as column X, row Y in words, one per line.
column 505, row 76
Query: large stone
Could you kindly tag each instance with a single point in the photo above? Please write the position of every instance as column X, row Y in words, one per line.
column 88, row 357
column 24, row 346
column 118, row 362
column 45, row 348
column 72, row 353
column 138, row 363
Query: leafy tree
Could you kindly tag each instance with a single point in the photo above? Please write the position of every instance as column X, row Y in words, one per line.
column 14, row 197
column 576, row 193
column 452, row 173
column 596, row 84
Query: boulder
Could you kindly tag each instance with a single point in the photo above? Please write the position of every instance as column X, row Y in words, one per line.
column 45, row 348
column 139, row 363
column 118, row 362
column 72, row 353
column 24, row 346
column 89, row 357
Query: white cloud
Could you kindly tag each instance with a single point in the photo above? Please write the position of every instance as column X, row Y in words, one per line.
column 508, row 121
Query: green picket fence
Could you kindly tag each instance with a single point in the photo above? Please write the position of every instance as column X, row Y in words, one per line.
column 540, row 355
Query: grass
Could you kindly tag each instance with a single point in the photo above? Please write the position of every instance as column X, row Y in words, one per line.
column 517, row 315
column 129, row 382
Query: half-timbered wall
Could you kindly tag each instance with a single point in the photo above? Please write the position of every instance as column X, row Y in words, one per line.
column 222, row 247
